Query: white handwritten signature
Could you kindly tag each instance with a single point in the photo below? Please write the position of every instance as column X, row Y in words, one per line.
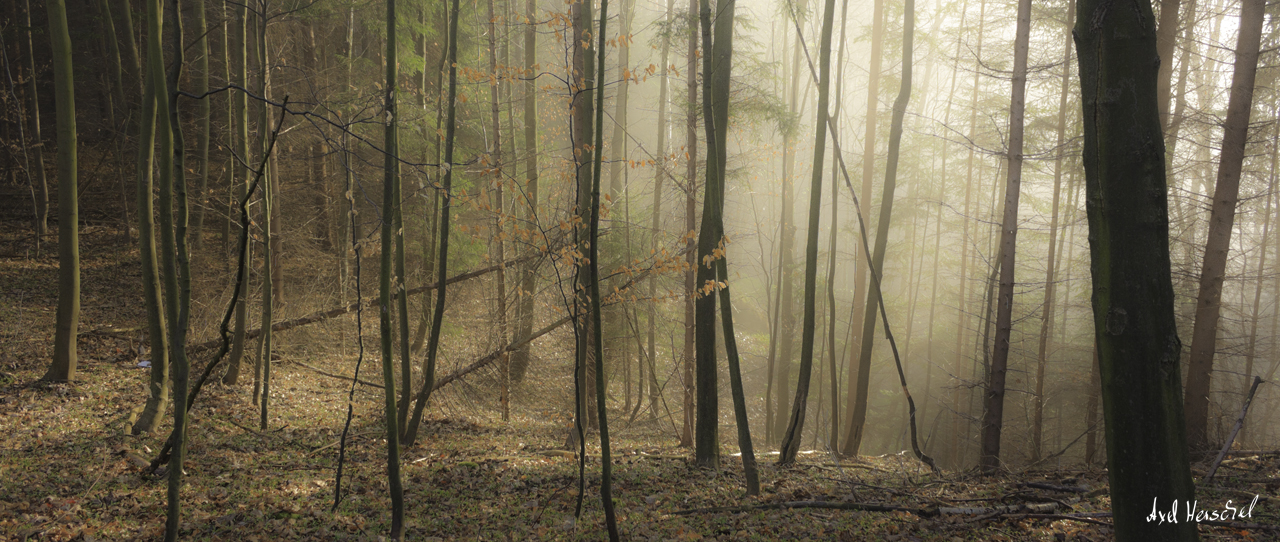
column 1194, row 514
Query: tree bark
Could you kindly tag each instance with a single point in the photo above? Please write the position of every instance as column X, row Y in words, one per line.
column 68, row 315
column 1133, row 314
column 390, row 210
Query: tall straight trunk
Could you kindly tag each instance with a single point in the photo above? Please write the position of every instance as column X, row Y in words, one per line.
column 1251, row 349
column 153, row 293
column 795, row 427
column 390, row 210
column 786, row 303
column 178, row 332
column 691, row 176
column 68, row 316
column 429, row 233
column 1046, row 311
column 496, row 244
column 582, row 109
column 962, row 302
column 656, row 229
column 853, row 434
column 204, row 116
column 937, row 241
column 240, row 108
column 1166, row 33
column 229, row 167
column 993, row 411
column 593, row 264
column 858, row 421
column 528, row 271
column 834, row 379
column 33, row 116
column 118, row 111
column 446, row 205
column 1225, row 197
column 271, row 280
column 1133, row 316
column 617, row 142
column 391, row 172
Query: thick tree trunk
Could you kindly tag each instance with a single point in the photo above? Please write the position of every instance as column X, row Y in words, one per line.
column 68, row 316
column 1225, row 197
column 1133, row 313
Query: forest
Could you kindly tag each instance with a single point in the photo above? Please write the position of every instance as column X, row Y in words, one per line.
column 447, row 270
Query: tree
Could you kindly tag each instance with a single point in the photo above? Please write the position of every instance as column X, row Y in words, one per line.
column 204, row 114
column 240, row 113
column 528, row 272
column 1046, row 314
column 68, row 317
column 993, row 411
column 390, row 200
column 795, row 427
column 1226, row 195
column 593, row 265
column 442, row 263
column 1133, row 315
column 41, row 188
column 690, row 210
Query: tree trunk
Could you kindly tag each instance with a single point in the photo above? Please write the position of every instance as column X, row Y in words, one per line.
column 240, row 106
column 1133, row 313
column 786, row 324
column 1251, row 349
column 993, row 411
column 442, row 264
column 795, row 427
column 1046, row 312
column 690, row 223
column 37, row 140
column 657, row 230
column 857, row 395
column 68, row 316
column 1225, row 197
column 204, row 117
column 528, row 272
column 390, row 210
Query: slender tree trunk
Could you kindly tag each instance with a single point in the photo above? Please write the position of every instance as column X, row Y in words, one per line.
column 496, row 244
column 853, row 434
column 204, row 114
column 240, row 106
column 390, row 218
column 437, row 320
column 834, row 379
column 271, row 279
column 786, row 324
column 153, row 293
column 1132, row 291
column 962, row 302
column 795, row 427
column 656, row 228
column 993, row 413
column 68, row 316
column 691, row 176
column 1251, row 349
column 1225, row 197
column 528, row 272
column 33, row 116
column 1046, row 312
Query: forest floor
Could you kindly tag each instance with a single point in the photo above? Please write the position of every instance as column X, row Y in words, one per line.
column 69, row 470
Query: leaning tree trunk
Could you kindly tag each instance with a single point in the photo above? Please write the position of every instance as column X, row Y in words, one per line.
column 68, row 317
column 1133, row 313
column 993, row 411
column 795, row 427
column 1226, row 195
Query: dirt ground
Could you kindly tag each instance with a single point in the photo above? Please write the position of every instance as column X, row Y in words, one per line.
column 69, row 470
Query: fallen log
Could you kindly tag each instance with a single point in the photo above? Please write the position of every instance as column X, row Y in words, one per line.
column 321, row 316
